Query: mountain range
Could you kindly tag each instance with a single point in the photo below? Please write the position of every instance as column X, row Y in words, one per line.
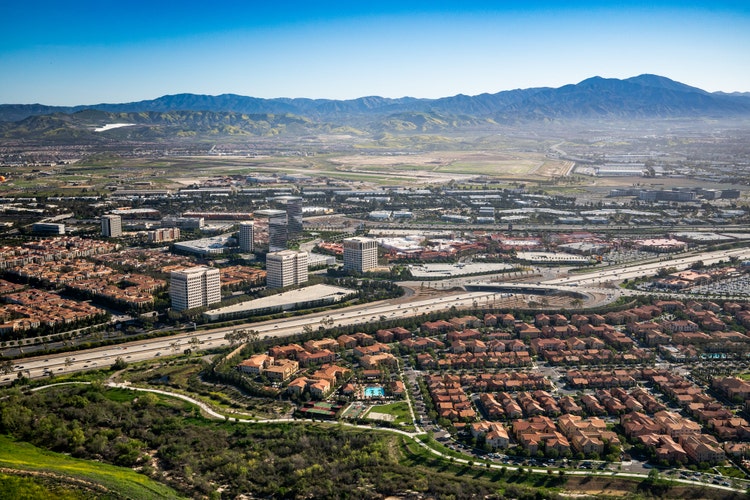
column 640, row 97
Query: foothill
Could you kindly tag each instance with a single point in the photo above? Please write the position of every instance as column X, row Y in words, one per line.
column 582, row 315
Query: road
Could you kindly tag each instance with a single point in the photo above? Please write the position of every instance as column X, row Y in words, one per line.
column 621, row 273
column 589, row 283
column 601, row 285
column 102, row 357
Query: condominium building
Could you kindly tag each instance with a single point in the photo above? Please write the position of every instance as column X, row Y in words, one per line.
column 360, row 254
column 286, row 268
column 247, row 231
column 111, row 226
column 195, row 287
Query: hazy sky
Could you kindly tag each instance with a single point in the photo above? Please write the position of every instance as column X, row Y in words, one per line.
column 87, row 52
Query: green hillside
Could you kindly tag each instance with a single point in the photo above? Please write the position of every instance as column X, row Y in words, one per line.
column 103, row 480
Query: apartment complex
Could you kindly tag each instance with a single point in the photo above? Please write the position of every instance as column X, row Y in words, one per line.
column 286, row 268
column 247, row 231
column 195, row 287
column 360, row 254
column 163, row 234
column 111, row 226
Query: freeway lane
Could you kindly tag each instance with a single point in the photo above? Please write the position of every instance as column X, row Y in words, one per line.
column 600, row 286
column 56, row 364
column 650, row 269
column 102, row 357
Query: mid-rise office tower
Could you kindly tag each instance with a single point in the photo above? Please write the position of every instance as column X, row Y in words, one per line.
column 247, row 232
column 360, row 254
column 194, row 287
column 111, row 226
column 277, row 228
column 292, row 205
column 286, row 268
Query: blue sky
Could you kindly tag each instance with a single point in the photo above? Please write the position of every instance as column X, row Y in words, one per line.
column 87, row 52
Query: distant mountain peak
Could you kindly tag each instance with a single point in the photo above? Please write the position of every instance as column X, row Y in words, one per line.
column 645, row 96
column 649, row 80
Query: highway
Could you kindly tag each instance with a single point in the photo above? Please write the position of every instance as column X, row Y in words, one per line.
column 620, row 273
column 600, row 287
column 102, row 357
column 587, row 284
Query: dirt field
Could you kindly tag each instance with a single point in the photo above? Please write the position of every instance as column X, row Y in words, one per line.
column 448, row 163
column 604, row 487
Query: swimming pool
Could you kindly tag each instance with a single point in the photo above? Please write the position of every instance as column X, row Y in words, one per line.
column 374, row 391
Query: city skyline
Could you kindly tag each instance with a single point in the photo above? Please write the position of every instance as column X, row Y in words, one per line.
column 94, row 52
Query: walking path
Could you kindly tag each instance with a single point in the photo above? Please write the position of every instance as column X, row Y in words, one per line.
column 211, row 413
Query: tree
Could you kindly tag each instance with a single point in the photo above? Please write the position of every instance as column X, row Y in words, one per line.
column 119, row 364
column 232, row 337
column 6, row 366
column 194, row 343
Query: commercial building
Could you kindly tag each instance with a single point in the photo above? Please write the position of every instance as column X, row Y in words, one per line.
column 163, row 234
column 300, row 298
column 320, row 260
column 360, row 254
column 247, row 230
column 286, row 268
column 188, row 223
column 278, row 228
column 194, row 287
column 111, row 226
column 48, row 228
column 204, row 247
column 292, row 205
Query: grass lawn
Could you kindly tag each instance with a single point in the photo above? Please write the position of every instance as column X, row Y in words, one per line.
column 400, row 410
column 125, row 482
column 731, row 472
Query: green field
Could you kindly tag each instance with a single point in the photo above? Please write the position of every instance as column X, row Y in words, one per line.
column 119, row 481
column 17, row 487
column 399, row 410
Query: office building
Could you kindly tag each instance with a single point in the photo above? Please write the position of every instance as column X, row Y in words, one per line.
column 111, row 226
column 189, row 223
column 247, row 230
column 163, row 234
column 292, row 205
column 286, row 268
column 277, row 228
column 194, row 287
column 360, row 254
column 48, row 228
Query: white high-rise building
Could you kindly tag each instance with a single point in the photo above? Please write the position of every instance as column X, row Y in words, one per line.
column 111, row 226
column 247, row 230
column 286, row 268
column 194, row 287
column 360, row 254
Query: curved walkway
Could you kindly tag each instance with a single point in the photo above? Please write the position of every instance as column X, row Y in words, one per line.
column 211, row 413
